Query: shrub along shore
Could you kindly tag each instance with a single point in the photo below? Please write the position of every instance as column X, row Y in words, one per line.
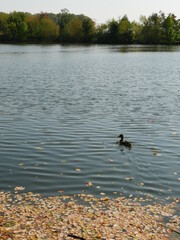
column 32, row 217
column 66, row 27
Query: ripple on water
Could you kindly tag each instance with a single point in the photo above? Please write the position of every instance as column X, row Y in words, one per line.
column 62, row 109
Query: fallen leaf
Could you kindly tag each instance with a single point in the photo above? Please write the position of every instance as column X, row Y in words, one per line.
column 102, row 193
column 111, row 160
column 140, row 184
column 39, row 148
column 155, row 152
column 19, row 188
column 129, row 178
column 60, row 191
column 89, row 184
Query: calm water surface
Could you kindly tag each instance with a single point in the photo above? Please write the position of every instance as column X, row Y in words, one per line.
column 62, row 107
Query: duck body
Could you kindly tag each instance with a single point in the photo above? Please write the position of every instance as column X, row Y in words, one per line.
column 124, row 143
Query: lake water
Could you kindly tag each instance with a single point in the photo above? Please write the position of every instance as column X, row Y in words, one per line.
column 62, row 108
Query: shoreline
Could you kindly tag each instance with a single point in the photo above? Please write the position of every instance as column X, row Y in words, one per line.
column 32, row 216
column 85, row 44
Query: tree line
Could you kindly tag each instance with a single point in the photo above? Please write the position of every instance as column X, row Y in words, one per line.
column 66, row 27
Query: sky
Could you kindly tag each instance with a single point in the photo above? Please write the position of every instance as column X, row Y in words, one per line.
column 99, row 10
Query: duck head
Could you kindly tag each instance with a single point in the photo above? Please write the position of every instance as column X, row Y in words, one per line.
column 121, row 136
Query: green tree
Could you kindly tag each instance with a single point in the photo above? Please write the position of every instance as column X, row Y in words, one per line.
column 113, row 28
column 33, row 22
column 64, row 17
column 170, row 29
column 71, row 28
column 125, row 33
column 17, row 27
column 48, row 30
column 42, row 28
column 73, row 31
column 101, row 33
column 136, row 32
column 53, row 17
column 88, row 29
column 152, row 29
column 3, row 26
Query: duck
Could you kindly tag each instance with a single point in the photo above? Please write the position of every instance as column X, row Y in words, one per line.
column 124, row 143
